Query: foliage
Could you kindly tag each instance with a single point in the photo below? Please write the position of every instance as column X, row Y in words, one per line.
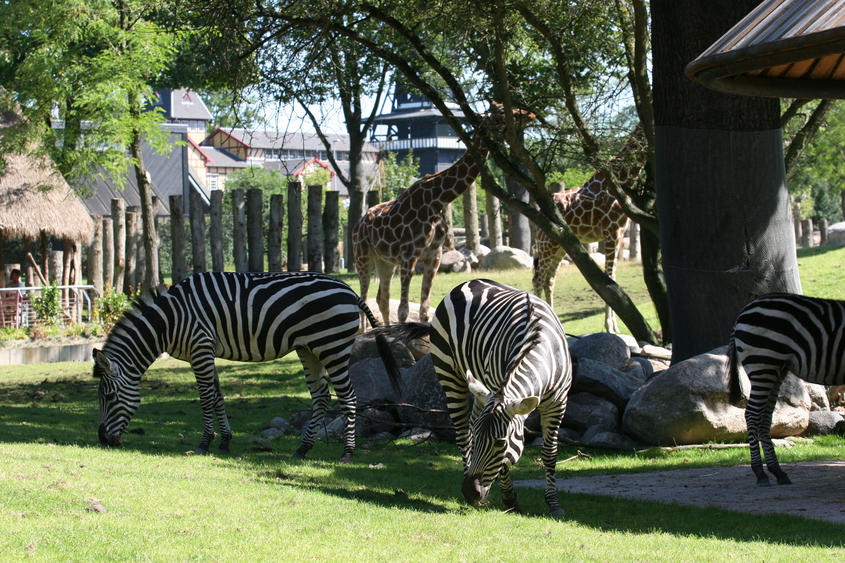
column 48, row 305
column 10, row 333
column 110, row 307
column 397, row 173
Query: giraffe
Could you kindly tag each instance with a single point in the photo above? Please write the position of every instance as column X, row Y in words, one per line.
column 412, row 228
column 594, row 215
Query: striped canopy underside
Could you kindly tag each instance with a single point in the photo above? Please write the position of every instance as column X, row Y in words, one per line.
column 783, row 48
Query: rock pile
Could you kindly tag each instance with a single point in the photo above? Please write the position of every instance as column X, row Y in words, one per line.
column 623, row 396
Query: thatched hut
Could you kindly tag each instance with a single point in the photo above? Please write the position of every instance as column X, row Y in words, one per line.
column 36, row 203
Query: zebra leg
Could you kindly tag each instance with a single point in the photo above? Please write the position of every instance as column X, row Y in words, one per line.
column 766, row 438
column 211, row 398
column 510, row 499
column 550, row 422
column 319, row 389
column 752, row 422
column 339, row 377
column 458, row 403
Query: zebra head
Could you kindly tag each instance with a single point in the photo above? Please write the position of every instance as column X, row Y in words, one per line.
column 119, row 397
column 496, row 439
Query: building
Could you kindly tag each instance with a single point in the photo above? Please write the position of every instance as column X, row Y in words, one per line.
column 185, row 107
column 414, row 124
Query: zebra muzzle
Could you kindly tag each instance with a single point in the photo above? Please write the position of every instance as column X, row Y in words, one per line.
column 107, row 439
column 474, row 492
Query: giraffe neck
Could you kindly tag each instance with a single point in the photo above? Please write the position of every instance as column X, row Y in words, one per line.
column 462, row 173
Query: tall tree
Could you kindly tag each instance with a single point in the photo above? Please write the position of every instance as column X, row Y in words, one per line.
column 724, row 209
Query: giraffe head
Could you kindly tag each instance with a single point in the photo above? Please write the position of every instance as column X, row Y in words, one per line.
column 494, row 121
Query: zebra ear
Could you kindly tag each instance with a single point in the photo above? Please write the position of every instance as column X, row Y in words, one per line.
column 523, row 406
column 477, row 388
column 103, row 361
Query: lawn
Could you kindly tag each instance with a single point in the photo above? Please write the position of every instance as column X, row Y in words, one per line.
column 63, row 497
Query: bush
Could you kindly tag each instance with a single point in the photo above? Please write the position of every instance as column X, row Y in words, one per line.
column 110, row 307
column 48, row 305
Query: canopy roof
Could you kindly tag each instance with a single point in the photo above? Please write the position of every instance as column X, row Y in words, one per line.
column 783, row 48
column 34, row 197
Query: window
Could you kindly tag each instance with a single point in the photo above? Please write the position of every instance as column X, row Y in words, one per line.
column 212, row 181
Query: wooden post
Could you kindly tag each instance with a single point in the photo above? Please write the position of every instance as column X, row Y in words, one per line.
column 274, row 238
column 255, row 229
column 822, row 232
column 141, row 256
column 239, row 231
column 197, row 218
column 54, row 267
column 178, row 269
column 807, row 239
column 76, row 279
column 130, row 280
column 315, row 228
column 331, row 222
column 215, row 231
column 494, row 219
column 108, row 252
column 294, row 226
column 95, row 257
column 67, row 258
column 118, row 215
column 473, row 241
column 30, row 273
column 372, row 198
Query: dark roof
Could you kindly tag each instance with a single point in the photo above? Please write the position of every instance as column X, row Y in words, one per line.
column 421, row 113
column 302, row 141
column 182, row 103
column 169, row 173
column 222, row 158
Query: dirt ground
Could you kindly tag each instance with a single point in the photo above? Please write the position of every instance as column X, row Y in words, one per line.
column 817, row 491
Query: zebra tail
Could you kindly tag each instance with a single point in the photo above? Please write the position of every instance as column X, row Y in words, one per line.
column 414, row 336
column 735, row 387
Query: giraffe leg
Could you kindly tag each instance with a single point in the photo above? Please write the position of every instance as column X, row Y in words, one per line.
column 406, row 272
column 431, row 262
column 384, row 271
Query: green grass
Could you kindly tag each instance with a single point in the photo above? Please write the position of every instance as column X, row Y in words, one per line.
column 395, row 501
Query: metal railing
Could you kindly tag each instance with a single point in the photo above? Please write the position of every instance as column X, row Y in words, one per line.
column 77, row 294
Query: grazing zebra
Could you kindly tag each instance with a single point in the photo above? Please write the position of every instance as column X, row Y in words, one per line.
column 507, row 348
column 775, row 335
column 244, row 317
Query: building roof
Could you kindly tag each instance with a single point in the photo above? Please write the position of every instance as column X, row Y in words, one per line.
column 221, row 158
column 182, row 103
column 35, row 198
column 782, row 48
column 277, row 140
column 419, row 113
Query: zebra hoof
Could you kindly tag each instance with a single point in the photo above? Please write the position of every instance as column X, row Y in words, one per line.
column 223, row 450
column 557, row 512
column 783, row 479
column 201, row 451
column 345, row 458
column 512, row 504
column 299, row 454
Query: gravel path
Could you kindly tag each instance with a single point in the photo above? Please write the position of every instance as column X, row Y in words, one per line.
column 817, row 492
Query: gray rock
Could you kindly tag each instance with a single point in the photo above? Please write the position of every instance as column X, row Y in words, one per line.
column 382, row 436
column 370, row 421
column 603, row 347
column 454, row 261
column 602, row 380
column 584, row 410
column 281, row 424
column 610, row 440
column 568, row 437
column 272, row 433
column 823, row 422
column 836, row 233
column 417, row 435
column 688, row 404
column 818, row 396
column 425, row 398
column 506, row 258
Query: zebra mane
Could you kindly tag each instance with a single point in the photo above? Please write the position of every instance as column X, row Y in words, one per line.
column 530, row 338
column 139, row 307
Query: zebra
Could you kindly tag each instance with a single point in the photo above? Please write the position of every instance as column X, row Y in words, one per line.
column 774, row 335
column 247, row 317
column 506, row 348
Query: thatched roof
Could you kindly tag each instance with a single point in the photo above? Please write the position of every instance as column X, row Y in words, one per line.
column 34, row 197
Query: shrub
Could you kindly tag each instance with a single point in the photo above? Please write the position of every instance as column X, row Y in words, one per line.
column 110, row 307
column 48, row 305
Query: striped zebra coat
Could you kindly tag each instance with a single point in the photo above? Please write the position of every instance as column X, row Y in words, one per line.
column 775, row 335
column 243, row 317
column 507, row 349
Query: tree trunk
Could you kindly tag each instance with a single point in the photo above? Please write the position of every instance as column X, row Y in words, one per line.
column 179, row 268
column 330, row 230
column 449, row 243
column 315, row 228
column 356, row 191
column 129, row 276
column 95, row 257
column 239, row 231
column 471, row 219
column 215, row 231
column 274, row 236
column 108, row 252
column 725, row 221
column 118, row 214
column 655, row 281
column 255, row 229
column 149, row 277
column 494, row 219
column 197, row 218
column 294, row 226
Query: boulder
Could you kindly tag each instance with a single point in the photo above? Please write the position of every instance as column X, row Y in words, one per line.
column 823, row 422
column 596, row 437
column 455, row 261
column 836, row 233
column 603, row 347
column 688, row 404
column 819, row 400
column 506, row 258
column 600, row 379
column 584, row 410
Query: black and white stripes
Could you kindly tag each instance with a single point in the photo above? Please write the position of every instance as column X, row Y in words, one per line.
column 245, row 317
column 506, row 348
column 775, row 335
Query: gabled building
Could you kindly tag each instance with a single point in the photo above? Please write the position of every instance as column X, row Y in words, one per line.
column 185, row 107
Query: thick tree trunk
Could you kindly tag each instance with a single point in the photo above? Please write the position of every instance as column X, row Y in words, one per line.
column 315, row 228
column 215, row 231
column 330, row 230
column 130, row 283
column 294, row 226
column 178, row 268
column 471, row 219
column 725, row 221
column 108, row 252
column 255, row 229
column 494, row 220
column 118, row 214
column 274, row 236
column 239, row 231
column 197, row 219
column 95, row 257
column 149, row 277
column 519, row 225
